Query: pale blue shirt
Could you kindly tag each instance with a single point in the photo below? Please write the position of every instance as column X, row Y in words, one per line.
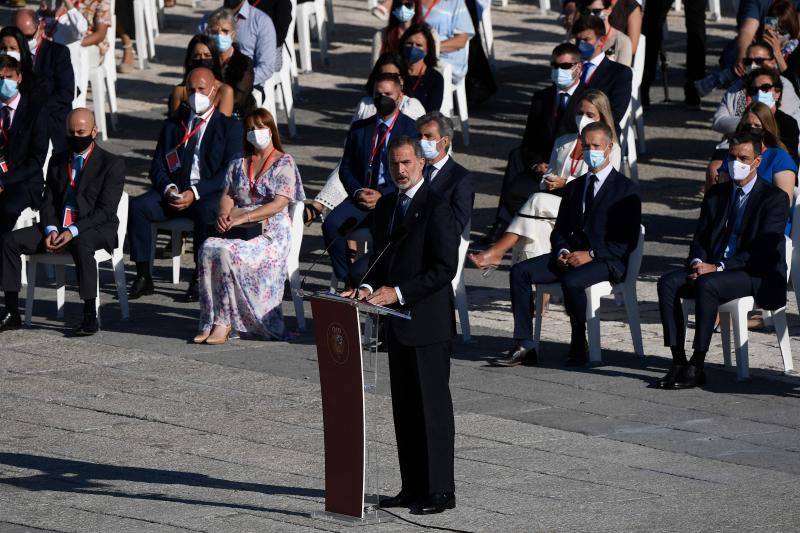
column 75, row 157
column 449, row 18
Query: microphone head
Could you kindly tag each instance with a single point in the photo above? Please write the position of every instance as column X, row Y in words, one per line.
column 347, row 226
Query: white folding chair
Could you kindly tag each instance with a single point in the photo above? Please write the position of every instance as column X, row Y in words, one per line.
column 177, row 227
column 487, row 34
column 305, row 12
column 64, row 258
column 280, row 80
column 103, row 81
column 593, row 294
column 26, row 219
column 80, row 69
column 459, row 289
column 460, row 91
column 636, row 98
column 143, row 15
column 293, row 262
column 628, row 144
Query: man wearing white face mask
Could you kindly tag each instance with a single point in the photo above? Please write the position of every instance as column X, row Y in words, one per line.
column 738, row 250
column 188, row 175
column 550, row 115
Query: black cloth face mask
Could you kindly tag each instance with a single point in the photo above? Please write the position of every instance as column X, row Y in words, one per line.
column 384, row 105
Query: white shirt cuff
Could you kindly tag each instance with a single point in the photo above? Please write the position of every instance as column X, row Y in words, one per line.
column 563, row 251
column 355, row 194
column 168, row 187
column 196, row 194
column 50, row 229
column 74, row 230
column 695, row 260
column 366, row 286
column 399, row 296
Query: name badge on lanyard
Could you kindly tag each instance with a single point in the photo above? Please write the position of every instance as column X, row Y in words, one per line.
column 172, row 157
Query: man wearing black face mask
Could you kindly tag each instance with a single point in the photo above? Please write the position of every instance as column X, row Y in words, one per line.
column 364, row 170
column 78, row 215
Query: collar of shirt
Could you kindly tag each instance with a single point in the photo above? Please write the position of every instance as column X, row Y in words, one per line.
column 244, row 11
column 746, row 189
column 596, row 60
column 413, row 190
column 204, row 116
column 14, row 102
column 438, row 165
column 388, row 121
column 569, row 91
column 83, row 154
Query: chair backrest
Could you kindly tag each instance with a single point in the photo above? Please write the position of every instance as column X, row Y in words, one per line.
column 377, row 44
column 296, row 237
column 635, row 259
column 638, row 65
column 122, row 216
column 80, row 68
column 446, row 70
column 462, row 253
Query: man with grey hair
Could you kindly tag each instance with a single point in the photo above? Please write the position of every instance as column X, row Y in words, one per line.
column 447, row 178
column 414, row 227
column 596, row 230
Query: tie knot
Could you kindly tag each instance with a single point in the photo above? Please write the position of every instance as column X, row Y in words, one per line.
column 593, row 179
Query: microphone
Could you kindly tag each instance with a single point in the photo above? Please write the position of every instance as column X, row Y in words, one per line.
column 397, row 235
column 343, row 230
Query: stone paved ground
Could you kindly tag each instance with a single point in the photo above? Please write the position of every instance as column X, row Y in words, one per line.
column 137, row 430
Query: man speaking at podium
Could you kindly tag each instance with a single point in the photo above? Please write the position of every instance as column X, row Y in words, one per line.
column 415, row 259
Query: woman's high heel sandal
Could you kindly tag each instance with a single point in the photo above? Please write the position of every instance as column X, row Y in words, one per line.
column 219, row 340
column 201, row 337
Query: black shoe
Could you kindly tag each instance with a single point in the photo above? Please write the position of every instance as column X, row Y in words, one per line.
column 689, row 378
column 10, row 321
column 192, row 293
column 520, row 356
column 669, row 379
column 436, row 503
column 578, row 356
column 691, row 99
column 403, row 499
column 142, row 286
column 88, row 327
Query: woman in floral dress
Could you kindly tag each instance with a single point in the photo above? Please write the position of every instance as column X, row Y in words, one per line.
column 241, row 281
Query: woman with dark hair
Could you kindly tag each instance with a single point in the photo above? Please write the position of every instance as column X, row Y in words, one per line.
column 202, row 53
column 766, row 86
column 237, row 68
column 783, row 35
column 13, row 43
column 241, row 277
column 388, row 63
column 423, row 81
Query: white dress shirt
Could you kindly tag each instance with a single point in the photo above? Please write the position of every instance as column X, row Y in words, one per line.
column 194, row 173
column 438, row 166
column 590, row 66
column 601, row 179
column 12, row 106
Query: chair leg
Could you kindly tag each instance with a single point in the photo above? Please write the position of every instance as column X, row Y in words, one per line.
column 176, row 257
column 322, row 30
column 462, row 307
column 31, row 292
column 97, row 298
column 24, row 278
column 632, row 310
column 782, row 332
column 632, row 158
column 288, row 100
column 60, row 290
column 463, row 113
column 111, row 93
column 593, row 325
column 537, row 319
column 99, row 98
column 119, row 280
column 725, row 335
column 739, row 323
column 299, row 312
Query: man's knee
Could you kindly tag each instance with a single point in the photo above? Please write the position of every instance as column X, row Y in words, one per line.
column 706, row 287
column 520, row 274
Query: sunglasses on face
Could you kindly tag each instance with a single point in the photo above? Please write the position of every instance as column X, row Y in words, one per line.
column 596, row 12
column 765, row 87
column 563, row 66
column 755, row 60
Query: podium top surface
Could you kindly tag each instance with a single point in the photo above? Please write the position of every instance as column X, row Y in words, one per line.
column 363, row 306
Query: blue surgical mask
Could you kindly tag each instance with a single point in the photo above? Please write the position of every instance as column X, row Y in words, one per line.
column 413, row 54
column 8, row 89
column 429, row 149
column 594, row 158
column 766, row 97
column 403, row 13
column 563, row 78
column 587, row 50
column 223, row 42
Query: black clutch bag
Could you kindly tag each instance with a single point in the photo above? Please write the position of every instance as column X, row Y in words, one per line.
column 243, row 232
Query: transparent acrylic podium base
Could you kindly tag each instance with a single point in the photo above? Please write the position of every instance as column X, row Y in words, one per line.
column 372, row 515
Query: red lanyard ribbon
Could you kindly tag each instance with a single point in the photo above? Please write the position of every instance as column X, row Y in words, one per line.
column 428, row 11
column 85, row 162
column 250, row 177
column 577, row 151
column 383, row 138
column 189, row 134
column 419, row 78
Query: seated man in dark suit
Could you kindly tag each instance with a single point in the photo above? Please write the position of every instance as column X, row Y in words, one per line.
column 53, row 69
column 364, row 170
column 188, row 175
column 78, row 215
column 599, row 72
column 551, row 114
column 738, row 250
column 23, row 145
column 596, row 230
column 447, row 178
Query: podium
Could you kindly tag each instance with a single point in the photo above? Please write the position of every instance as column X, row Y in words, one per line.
column 346, row 372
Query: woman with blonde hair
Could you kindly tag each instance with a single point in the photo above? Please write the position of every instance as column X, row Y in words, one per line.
column 529, row 231
column 242, row 272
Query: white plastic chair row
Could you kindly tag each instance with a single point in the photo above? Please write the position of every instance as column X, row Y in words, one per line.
column 60, row 261
column 459, row 289
column 627, row 289
column 305, row 12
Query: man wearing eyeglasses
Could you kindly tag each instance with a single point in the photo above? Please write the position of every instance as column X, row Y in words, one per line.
column 551, row 114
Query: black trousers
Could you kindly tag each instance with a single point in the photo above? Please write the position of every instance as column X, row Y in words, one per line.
column 423, row 415
column 655, row 14
column 573, row 284
column 13, row 201
column 708, row 292
column 31, row 240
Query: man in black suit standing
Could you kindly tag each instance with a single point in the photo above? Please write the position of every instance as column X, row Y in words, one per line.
column 597, row 228
column 78, row 215
column 53, row 68
column 599, row 72
column 447, row 178
column 415, row 227
column 551, row 114
column 738, row 250
column 188, row 176
column 23, row 145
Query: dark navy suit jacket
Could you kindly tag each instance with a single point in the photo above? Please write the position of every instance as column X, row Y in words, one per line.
column 26, row 148
column 221, row 143
column 53, row 69
column 615, row 80
column 354, row 170
column 454, row 183
column 611, row 231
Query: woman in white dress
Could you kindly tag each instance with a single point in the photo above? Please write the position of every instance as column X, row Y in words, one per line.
column 529, row 231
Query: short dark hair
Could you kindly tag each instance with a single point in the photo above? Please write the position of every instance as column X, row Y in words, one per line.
column 567, row 48
column 761, row 43
column 405, row 140
column 747, row 137
column 773, row 74
column 387, row 76
column 444, row 123
column 597, row 126
column 590, row 22
column 386, row 58
column 7, row 61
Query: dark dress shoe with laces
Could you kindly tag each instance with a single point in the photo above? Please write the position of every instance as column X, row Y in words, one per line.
column 10, row 322
column 669, row 379
column 520, row 356
column 142, row 286
column 690, row 377
column 403, row 499
column 88, row 327
column 192, row 293
column 436, row 503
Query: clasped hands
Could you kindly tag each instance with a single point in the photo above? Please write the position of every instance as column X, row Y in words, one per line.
column 567, row 260
column 230, row 219
column 368, row 198
column 383, row 296
column 698, row 268
column 56, row 242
